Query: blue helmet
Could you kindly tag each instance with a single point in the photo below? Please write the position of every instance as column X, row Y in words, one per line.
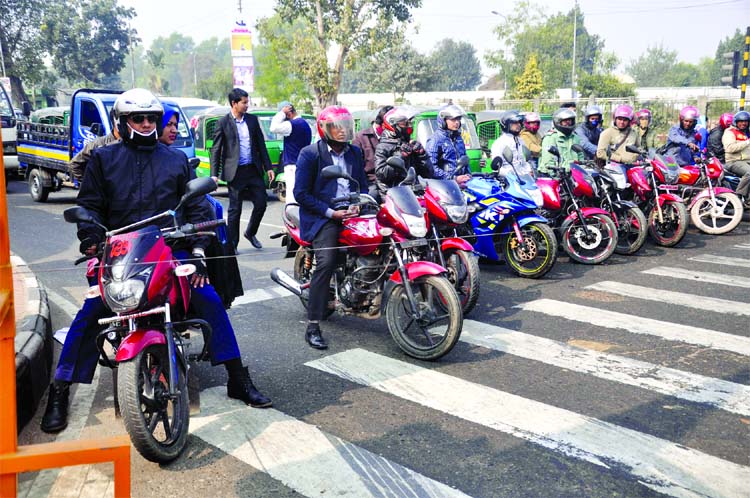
column 169, row 111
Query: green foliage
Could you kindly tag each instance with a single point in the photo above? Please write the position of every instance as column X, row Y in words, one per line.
column 455, row 65
column 529, row 84
column 20, row 35
column 216, row 86
column 728, row 44
column 603, row 85
column 659, row 67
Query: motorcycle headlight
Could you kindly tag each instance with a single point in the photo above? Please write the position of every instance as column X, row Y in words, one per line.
column 416, row 224
column 536, row 195
column 124, row 296
column 118, row 271
column 457, row 213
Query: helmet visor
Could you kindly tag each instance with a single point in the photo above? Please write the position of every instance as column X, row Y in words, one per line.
column 339, row 129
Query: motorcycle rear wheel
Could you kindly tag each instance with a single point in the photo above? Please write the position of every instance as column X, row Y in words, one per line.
column 631, row 231
column 603, row 234
column 438, row 331
column 303, row 274
column 723, row 219
column 157, row 424
column 463, row 273
column 536, row 256
column 671, row 231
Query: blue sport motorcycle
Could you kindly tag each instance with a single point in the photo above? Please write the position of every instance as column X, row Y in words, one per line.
column 505, row 225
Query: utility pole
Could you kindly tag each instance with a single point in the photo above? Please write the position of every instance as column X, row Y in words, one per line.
column 195, row 72
column 2, row 58
column 573, row 71
column 132, row 57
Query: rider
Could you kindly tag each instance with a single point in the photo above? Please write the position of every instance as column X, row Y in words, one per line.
column 736, row 141
column 124, row 183
column 368, row 139
column 396, row 140
column 588, row 131
column 642, row 125
column 446, row 146
column 681, row 141
column 562, row 137
column 320, row 220
column 531, row 136
column 715, row 145
column 614, row 139
column 511, row 123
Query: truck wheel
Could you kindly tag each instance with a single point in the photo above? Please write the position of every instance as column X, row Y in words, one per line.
column 38, row 191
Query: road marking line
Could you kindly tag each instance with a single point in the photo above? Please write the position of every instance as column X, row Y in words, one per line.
column 692, row 387
column 704, row 303
column 742, row 246
column 721, row 260
column 303, row 457
column 258, row 295
column 697, row 276
column 657, row 463
column 640, row 325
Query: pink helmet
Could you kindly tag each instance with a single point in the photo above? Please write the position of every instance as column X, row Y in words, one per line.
column 644, row 113
column 725, row 121
column 335, row 117
column 530, row 117
column 689, row 112
column 623, row 111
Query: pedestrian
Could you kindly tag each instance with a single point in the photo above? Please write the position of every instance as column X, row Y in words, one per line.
column 614, row 140
column 588, row 131
column 240, row 158
column 446, row 146
column 367, row 140
column 297, row 135
column 736, row 141
column 124, row 183
column 77, row 166
column 320, row 220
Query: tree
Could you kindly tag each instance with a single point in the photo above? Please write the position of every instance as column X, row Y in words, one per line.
column 455, row 65
column 20, row 35
column 350, row 29
column 650, row 68
column 529, row 84
column 603, row 85
column 728, row 44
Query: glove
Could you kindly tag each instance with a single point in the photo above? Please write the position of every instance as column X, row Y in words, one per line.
column 87, row 243
column 417, row 148
column 200, row 266
column 406, row 150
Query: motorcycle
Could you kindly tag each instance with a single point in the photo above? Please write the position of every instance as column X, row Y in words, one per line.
column 148, row 291
column 666, row 212
column 587, row 234
column 504, row 221
column 379, row 270
column 714, row 209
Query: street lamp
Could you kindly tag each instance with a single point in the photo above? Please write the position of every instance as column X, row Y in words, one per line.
column 573, row 71
column 505, row 55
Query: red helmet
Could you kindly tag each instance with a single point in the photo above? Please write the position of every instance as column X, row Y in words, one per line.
column 725, row 121
column 644, row 113
column 689, row 112
column 399, row 114
column 623, row 111
column 335, row 124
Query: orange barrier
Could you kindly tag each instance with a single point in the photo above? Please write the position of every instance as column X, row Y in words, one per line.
column 14, row 460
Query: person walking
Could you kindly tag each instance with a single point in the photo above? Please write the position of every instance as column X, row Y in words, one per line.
column 297, row 135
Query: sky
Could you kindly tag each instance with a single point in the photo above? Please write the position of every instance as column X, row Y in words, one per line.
column 691, row 27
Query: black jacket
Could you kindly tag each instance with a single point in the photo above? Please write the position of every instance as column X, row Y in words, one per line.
column 225, row 153
column 387, row 177
column 715, row 146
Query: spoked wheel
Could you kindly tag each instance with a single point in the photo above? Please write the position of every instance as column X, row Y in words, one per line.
column 593, row 247
column 671, row 229
column 536, row 255
column 304, row 266
column 157, row 423
column 463, row 273
column 631, row 230
column 717, row 216
column 437, row 328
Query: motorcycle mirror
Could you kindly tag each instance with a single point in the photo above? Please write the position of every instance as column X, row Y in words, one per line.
column 396, row 162
column 554, row 151
column 576, row 148
column 411, row 176
column 495, row 164
column 632, row 149
column 194, row 162
column 526, row 152
column 196, row 188
column 333, row 171
column 508, row 155
column 463, row 161
column 77, row 214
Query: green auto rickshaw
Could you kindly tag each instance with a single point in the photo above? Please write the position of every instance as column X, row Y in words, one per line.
column 425, row 124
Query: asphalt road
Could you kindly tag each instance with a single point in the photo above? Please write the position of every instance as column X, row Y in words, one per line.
column 626, row 379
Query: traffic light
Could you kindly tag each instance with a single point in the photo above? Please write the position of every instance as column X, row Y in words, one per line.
column 733, row 69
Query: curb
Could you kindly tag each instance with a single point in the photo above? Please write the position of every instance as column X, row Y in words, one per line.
column 34, row 343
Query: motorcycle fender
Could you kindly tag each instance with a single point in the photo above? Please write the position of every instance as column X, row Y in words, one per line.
column 662, row 198
column 456, row 243
column 704, row 193
column 138, row 341
column 625, row 204
column 586, row 212
column 524, row 220
column 415, row 270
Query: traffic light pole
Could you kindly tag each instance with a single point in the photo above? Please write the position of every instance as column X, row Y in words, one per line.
column 743, row 86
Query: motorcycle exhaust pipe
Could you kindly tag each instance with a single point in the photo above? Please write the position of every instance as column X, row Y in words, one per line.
column 286, row 281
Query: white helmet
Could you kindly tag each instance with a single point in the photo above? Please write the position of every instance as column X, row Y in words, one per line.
column 137, row 101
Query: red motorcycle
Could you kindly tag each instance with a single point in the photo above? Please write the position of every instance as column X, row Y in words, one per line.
column 713, row 209
column 587, row 234
column 148, row 291
column 380, row 270
column 652, row 189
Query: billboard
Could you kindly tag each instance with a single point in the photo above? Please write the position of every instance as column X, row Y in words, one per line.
column 243, row 68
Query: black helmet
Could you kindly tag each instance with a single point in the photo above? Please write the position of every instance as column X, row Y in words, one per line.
column 560, row 116
column 741, row 116
column 508, row 118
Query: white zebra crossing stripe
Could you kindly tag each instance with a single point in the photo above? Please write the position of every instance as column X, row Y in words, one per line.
column 742, row 246
column 303, row 457
column 657, row 463
column 698, row 388
column 640, row 325
column 670, row 297
column 697, row 276
column 721, row 260
column 257, row 295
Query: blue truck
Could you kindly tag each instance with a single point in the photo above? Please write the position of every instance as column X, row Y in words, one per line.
column 45, row 146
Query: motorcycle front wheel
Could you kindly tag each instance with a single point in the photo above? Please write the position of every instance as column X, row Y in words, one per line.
column 438, row 327
column 670, row 231
column 594, row 247
column 631, row 230
column 157, row 423
column 463, row 273
column 718, row 216
column 533, row 257
column 304, row 266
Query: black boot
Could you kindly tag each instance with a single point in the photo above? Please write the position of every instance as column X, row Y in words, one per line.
column 241, row 387
column 55, row 416
column 314, row 336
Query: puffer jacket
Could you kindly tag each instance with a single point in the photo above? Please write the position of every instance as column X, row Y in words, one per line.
column 444, row 149
column 387, row 176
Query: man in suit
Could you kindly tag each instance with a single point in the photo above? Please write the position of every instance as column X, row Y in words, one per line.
column 320, row 220
column 239, row 157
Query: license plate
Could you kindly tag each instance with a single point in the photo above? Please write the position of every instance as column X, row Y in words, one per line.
column 413, row 243
column 669, row 187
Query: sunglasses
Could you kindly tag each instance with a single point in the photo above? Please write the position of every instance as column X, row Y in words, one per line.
column 139, row 118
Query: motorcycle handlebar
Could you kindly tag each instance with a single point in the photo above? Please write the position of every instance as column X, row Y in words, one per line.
column 190, row 228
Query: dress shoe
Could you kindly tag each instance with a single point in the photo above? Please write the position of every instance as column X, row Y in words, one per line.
column 55, row 416
column 314, row 337
column 241, row 387
column 254, row 241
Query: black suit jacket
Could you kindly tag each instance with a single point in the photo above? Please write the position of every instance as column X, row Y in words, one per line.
column 225, row 153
